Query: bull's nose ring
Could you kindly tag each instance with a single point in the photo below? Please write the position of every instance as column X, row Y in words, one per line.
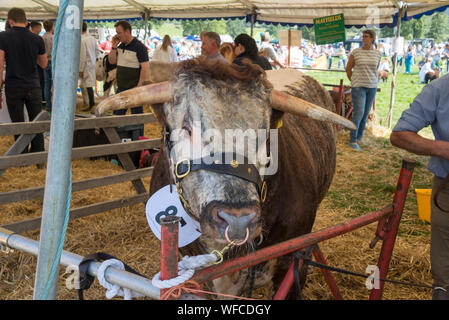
column 236, row 244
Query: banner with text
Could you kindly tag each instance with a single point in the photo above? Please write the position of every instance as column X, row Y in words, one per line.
column 330, row 29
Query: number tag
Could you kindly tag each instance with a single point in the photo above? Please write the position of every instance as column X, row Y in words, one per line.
column 162, row 204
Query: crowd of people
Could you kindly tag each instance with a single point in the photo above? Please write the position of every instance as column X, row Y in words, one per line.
column 28, row 81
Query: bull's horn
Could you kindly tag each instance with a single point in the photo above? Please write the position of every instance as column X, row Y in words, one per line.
column 287, row 103
column 149, row 94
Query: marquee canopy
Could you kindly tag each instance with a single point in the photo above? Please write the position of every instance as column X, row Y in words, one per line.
column 287, row 12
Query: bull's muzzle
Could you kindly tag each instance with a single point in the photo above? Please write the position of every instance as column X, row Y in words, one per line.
column 233, row 224
column 238, row 227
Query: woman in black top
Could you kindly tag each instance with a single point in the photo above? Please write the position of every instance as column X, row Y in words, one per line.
column 245, row 47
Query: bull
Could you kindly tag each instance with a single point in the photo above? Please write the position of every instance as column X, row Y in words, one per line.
column 258, row 210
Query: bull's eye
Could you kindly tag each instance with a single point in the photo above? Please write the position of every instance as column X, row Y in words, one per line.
column 188, row 129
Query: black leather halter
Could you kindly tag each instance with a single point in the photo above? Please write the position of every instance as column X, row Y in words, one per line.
column 245, row 170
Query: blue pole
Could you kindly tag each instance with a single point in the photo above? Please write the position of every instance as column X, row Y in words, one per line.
column 66, row 61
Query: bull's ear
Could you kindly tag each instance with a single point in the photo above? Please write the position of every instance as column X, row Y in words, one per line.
column 276, row 119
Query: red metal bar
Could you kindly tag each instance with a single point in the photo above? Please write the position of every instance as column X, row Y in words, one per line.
column 330, row 280
column 169, row 248
column 340, row 97
column 289, row 246
column 340, row 101
column 390, row 237
column 286, row 284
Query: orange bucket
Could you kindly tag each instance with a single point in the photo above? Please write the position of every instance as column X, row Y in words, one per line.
column 423, row 198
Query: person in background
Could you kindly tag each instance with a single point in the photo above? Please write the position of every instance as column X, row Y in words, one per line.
column 132, row 60
column 48, row 78
column 342, row 57
column 384, row 70
column 210, row 46
column 430, row 108
column 267, row 51
column 36, row 28
column 246, row 48
column 165, row 52
column 329, row 53
column 427, row 74
column 21, row 50
column 408, row 60
column 362, row 71
column 106, row 46
column 88, row 55
column 446, row 56
column 227, row 51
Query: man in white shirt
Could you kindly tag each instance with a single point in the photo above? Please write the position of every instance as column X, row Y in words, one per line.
column 268, row 52
column 427, row 74
column 89, row 51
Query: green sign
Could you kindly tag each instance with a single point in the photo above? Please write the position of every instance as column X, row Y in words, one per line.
column 330, row 29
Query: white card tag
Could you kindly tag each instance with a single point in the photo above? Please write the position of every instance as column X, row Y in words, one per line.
column 162, row 204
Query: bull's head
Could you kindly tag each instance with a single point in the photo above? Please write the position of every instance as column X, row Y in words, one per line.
column 204, row 101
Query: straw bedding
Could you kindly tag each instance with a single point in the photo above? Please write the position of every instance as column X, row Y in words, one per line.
column 363, row 183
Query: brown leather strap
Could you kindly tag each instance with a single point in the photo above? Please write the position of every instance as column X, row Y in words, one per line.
column 437, row 193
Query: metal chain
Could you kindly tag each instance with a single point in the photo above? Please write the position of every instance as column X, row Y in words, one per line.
column 184, row 201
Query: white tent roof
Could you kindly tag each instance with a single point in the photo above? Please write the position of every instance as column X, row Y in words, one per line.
column 356, row 12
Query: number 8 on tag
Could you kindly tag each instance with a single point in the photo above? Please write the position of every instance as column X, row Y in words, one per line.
column 165, row 203
column 170, row 211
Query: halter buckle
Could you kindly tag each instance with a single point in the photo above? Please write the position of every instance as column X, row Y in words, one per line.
column 182, row 175
column 263, row 192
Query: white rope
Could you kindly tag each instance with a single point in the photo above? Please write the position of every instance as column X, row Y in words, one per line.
column 114, row 289
column 186, row 269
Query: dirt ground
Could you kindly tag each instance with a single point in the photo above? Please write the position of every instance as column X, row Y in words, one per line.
column 125, row 233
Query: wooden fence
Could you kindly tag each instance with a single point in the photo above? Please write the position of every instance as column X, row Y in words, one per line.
column 27, row 131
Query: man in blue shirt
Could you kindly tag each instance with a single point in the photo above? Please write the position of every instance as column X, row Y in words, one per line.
column 431, row 107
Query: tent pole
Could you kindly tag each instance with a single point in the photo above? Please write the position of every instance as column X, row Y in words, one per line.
column 147, row 16
column 395, row 65
column 60, row 148
column 253, row 14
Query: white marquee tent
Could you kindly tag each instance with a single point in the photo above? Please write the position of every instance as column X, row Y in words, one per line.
column 356, row 12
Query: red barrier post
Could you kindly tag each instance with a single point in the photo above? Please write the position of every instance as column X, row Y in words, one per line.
column 330, row 280
column 169, row 248
column 389, row 239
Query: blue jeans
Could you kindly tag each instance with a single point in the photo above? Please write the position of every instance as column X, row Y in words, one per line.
column 342, row 61
column 362, row 101
column 122, row 112
column 48, row 82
